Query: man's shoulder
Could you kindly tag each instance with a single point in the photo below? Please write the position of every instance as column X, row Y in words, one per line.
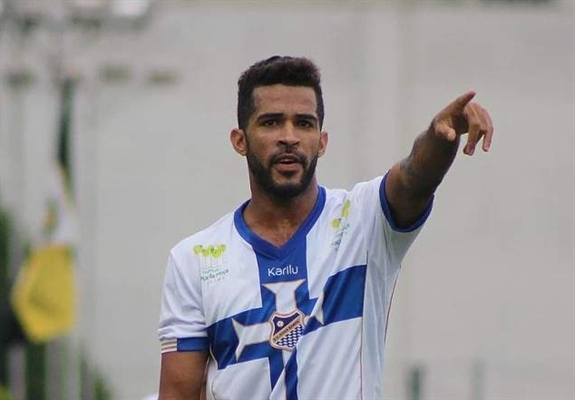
column 210, row 235
column 358, row 189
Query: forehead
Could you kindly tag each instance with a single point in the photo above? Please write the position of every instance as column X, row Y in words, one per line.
column 284, row 99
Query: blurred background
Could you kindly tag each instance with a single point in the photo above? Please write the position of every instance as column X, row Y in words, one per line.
column 114, row 123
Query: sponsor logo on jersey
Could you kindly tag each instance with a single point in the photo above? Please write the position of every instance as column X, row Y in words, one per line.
column 212, row 275
column 215, row 251
column 340, row 224
column 286, row 330
column 213, row 265
column 283, row 271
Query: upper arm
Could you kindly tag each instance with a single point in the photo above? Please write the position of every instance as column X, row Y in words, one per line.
column 406, row 204
column 182, row 327
column 182, row 375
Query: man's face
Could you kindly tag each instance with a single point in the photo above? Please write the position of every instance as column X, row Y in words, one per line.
column 283, row 139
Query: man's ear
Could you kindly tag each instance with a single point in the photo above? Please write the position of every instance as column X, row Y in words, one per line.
column 239, row 141
column 323, row 139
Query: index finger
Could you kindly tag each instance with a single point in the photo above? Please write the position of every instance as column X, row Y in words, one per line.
column 457, row 105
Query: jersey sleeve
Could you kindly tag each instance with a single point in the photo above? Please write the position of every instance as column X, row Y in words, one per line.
column 386, row 242
column 182, row 324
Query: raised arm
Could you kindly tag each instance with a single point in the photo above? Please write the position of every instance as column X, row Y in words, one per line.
column 182, row 375
column 412, row 181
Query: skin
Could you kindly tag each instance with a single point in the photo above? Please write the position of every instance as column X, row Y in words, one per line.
column 412, row 181
column 182, row 375
column 284, row 125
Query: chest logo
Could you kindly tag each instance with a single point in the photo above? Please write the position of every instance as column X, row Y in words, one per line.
column 286, row 330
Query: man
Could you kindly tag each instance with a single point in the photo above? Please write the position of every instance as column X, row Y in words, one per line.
column 288, row 297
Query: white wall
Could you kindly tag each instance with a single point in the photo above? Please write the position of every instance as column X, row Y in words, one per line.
column 490, row 281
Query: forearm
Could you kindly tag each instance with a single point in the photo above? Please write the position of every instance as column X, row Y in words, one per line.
column 430, row 158
column 182, row 375
column 411, row 182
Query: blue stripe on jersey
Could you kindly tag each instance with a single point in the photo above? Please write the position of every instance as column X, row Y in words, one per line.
column 387, row 210
column 342, row 297
column 292, row 377
column 291, row 268
column 193, row 344
column 222, row 334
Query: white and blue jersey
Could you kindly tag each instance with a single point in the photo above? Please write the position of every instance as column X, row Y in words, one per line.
column 303, row 321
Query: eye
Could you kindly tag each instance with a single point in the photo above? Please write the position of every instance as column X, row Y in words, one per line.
column 304, row 123
column 270, row 122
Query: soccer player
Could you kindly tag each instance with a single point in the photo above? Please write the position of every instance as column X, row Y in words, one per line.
column 288, row 296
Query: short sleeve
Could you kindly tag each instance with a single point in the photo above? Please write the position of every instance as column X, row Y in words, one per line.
column 387, row 244
column 182, row 324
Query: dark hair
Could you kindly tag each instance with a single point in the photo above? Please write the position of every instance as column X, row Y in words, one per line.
column 290, row 71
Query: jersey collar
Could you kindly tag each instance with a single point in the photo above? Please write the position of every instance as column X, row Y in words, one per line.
column 263, row 246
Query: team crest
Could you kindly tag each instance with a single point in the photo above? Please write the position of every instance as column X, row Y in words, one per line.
column 286, row 330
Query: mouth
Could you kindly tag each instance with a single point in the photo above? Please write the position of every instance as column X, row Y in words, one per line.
column 288, row 163
column 287, row 160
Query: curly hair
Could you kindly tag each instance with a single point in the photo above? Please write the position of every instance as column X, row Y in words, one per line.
column 285, row 70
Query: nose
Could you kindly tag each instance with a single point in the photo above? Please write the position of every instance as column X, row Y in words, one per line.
column 289, row 135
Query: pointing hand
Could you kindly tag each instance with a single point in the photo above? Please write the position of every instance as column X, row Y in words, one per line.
column 462, row 116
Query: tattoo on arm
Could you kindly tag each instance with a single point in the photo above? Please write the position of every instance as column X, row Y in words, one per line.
column 424, row 168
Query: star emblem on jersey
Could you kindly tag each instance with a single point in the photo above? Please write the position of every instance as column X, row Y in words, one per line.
column 286, row 330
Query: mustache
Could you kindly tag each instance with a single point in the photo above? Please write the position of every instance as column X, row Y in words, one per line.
column 293, row 155
column 290, row 153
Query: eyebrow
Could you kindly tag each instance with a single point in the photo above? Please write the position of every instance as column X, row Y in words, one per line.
column 269, row 116
column 307, row 116
column 282, row 115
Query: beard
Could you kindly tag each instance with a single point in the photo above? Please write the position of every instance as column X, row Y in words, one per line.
column 263, row 175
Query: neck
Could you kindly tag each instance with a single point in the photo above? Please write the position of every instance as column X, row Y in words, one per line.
column 276, row 220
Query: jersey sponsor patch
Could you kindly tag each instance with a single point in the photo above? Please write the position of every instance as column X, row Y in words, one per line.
column 288, row 270
column 213, row 265
column 340, row 225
